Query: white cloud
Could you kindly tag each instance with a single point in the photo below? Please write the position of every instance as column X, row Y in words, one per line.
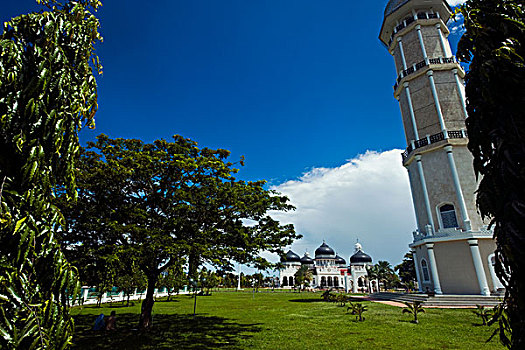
column 367, row 198
column 457, row 29
column 453, row 3
column 456, row 25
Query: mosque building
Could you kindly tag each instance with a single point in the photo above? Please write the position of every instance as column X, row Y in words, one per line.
column 329, row 270
column 453, row 248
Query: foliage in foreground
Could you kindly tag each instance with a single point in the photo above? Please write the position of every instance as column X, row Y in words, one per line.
column 494, row 44
column 500, row 317
column 164, row 204
column 483, row 313
column 47, row 91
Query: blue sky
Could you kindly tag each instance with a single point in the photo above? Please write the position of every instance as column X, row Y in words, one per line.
column 294, row 86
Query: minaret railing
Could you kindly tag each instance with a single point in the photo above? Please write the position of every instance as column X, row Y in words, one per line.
column 410, row 20
column 450, row 232
column 452, row 134
column 420, row 65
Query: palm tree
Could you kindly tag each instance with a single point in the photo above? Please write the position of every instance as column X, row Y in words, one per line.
column 383, row 272
column 413, row 309
column 358, row 309
column 373, row 274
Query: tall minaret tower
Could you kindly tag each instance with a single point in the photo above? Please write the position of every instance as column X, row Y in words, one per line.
column 453, row 249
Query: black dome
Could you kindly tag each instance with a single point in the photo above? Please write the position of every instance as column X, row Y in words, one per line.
column 291, row 257
column 324, row 250
column 305, row 260
column 339, row 260
column 393, row 5
column 360, row 257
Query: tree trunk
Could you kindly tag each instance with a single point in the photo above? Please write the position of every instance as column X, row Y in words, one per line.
column 147, row 305
column 194, row 262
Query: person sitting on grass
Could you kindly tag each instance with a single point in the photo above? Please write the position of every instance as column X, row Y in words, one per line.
column 111, row 325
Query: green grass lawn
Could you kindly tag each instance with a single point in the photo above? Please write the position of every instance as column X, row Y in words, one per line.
column 280, row 321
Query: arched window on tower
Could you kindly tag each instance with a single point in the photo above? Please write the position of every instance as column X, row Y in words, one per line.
column 291, row 281
column 448, row 216
column 285, row 281
column 424, row 268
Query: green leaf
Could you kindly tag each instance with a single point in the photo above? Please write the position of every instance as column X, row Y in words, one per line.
column 19, row 224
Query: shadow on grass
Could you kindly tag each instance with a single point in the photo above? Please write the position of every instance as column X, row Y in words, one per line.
column 168, row 332
column 306, row 300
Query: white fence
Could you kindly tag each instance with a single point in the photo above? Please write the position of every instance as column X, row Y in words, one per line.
column 88, row 296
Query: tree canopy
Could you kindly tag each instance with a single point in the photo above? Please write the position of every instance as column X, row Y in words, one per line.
column 494, row 45
column 170, row 203
column 47, row 93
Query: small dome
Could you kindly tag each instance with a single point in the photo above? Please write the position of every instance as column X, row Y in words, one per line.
column 340, row 261
column 307, row 260
column 360, row 258
column 393, row 5
column 291, row 257
column 324, row 251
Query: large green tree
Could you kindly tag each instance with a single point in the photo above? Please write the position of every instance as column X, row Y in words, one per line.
column 168, row 203
column 47, row 93
column 494, row 45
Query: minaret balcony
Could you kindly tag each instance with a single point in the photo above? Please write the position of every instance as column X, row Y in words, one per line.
column 409, row 20
column 431, row 139
column 430, row 64
column 450, row 234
